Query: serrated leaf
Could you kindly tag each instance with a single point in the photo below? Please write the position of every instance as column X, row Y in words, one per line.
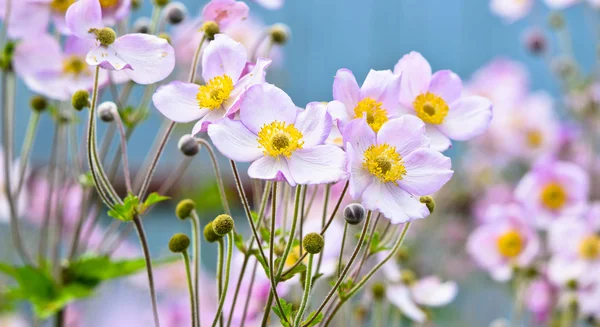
column 127, row 210
column 315, row 321
column 284, row 316
column 153, row 198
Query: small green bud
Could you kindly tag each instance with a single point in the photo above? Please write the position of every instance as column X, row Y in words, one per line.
column 556, row 20
column 313, row 243
column 80, row 100
column 184, row 208
column 378, row 290
column 161, row 3
column 210, row 29
column 38, row 103
column 222, row 225
column 209, row 234
column 429, row 202
column 279, row 33
column 106, row 35
column 572, row 284
column 165, row 36
column 179, row 243
column 136, row 4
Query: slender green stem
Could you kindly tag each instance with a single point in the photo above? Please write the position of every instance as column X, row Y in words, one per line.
column 341, row 278
column 250, row 287
column 220, row 264
column 196, row 253
column 218, row 175
column 193, row 307
column 123, row 138
column 342, row 249
column 368, row 248
column 154, row 162
column 272, row 234
column 307, row 288
column 49, row 201
column 144, row 242
column 377, row 315
column 325, row 205
column 242, row 194
column 7, row 16
column 26, row 150
column 290, row 241
column 194, row 68
column 219, row 315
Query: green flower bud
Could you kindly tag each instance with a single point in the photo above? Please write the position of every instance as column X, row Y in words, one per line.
column 179, row 243
column 279, row 33
column 313, row 243
column 209, row 233
column 210, row 29
column 80, row 100
column 429, row 202
column 556, row 20
column 184, row 208
column 38, row 103
column 105, row 35
column 223, row 224
column 378, row 290
column 161, row 3
column 136, row 4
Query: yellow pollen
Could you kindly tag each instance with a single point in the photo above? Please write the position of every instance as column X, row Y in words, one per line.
column 75, row 65
column 553, row 196
column 383, row 162
column 215, row 92
column 278, row 138
column 510, row 244
column 61, row 5
column 108, row 3
column 589, row 248
column 431, row 108
column 534, row 138
column 371, row 110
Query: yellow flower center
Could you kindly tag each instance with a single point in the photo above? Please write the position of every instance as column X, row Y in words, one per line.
column 75, row 65
column 554, row 196
column 383, row 162
column 431, row 108
column 61, row 5
column 590, row 247
column 278, row 138
column 534, row 138
column 510, row 244
column 108, row 3
column 371, row 110
column 215, row 92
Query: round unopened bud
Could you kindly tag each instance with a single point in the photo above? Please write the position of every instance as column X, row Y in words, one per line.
column 313, row 243
column 556, row 20
column 535, row 41
column 165, row 36
column 572, row 284
column 209, row 233
column 179, row 243
column 223, row 224
column 184, row 208
column 142, row 25
column 175, row 12
column 161, row 3
column 210, row 29
column 80, row 99
column 188, row 146
column 354, row 213
column 136, row 4
column 106, row 35
column 378, row 290
column 107, row 111
column 279, row 33
column 38, row 103
column 429, row 202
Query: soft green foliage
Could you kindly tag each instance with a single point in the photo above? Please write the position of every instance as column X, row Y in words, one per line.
column 376, row 245
column 314, row 322
column 286, row 314
column 131, row 206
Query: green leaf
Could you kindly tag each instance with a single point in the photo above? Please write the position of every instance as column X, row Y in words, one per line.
column 297, row 270
column 317, row 320
column 286, row 315
column 153, row 198
column 254, row 216
column 238, row 240
column 315, row 277
column 262, row 262
column 127, row 210
column 265, row 234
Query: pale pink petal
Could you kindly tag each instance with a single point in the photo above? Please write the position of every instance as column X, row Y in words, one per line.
column 416, row 77
column 447, row 85
column 560, row 4
column 315, row 123
column 399, row 295
column 439, row 141
column 225, row 12
column 255, row 76
column 223, row 56
column 338, row 111
column 383, row 86
column 78, row 46
column 432, row 292
column 270, row 4
column 265, row 103
column 151, row 58
column 406, row 133
column 318, row 165
column 393, row 202
column 211, row 117
column 345, row 89
column 360, row 178
column 107, row 58
column 482, row 246
column 27, row 19
column 84, row 15
column 271, row 168
column 359, row 134
column 467, row 118
column 234, row 140
column 426, row 172
column 177, row 101
column 38, row 54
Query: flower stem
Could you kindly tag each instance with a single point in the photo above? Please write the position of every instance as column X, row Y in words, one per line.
column 307, row 288
column 218, row 175
column 196, row 253
column 123, row 138
column 342, row 249
column 144, row 242
column 290, row 241
column 193, row 307
column 225, row 286
column 26, row 150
